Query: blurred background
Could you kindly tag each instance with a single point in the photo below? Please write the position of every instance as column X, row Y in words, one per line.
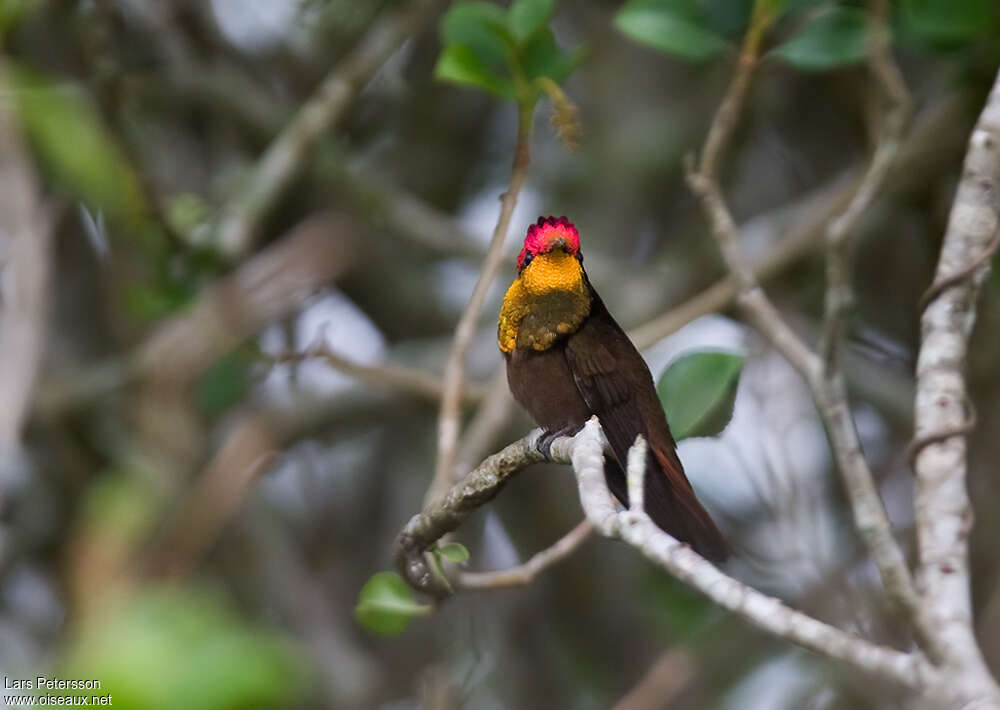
column 235, row 239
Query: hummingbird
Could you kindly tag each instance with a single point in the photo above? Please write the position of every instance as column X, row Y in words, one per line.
column 568, row 360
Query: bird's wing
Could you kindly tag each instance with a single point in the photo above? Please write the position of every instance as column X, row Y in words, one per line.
column 608, row 369
column 605, row 389
column 615, row 383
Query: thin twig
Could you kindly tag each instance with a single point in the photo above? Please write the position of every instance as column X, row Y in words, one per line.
column 525, row 573
column 839, row 297
column 947, row 281
column 829, row 393
column 943, row 509
column 727, row 115
column 454, row 371
column 799, row 241
column 964, row 429
column 496, row 409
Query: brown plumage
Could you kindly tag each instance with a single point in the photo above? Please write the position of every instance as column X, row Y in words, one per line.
column 567, row 359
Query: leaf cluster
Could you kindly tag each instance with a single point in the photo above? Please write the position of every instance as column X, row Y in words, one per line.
column 816, row 35
column 504, row 52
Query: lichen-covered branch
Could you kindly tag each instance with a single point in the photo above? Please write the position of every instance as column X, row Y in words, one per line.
column 446, row 513
column 944, row 515
column 585, row 452
column 635, row 527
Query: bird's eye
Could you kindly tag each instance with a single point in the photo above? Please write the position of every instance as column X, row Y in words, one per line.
column 528, row 256
column 579, row 256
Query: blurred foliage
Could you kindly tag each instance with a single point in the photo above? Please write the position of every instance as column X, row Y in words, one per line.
column 75, row 147
column 675, row 27
column 169, row 648
column 947, row 22
column 825, row 35
column 837, row 37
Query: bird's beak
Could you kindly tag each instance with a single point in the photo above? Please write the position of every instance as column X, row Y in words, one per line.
column 559, row 243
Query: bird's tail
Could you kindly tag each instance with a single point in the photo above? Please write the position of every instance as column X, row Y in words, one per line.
column 670, row 501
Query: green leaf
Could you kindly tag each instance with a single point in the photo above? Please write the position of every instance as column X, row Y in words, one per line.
column 480, row 26
column 459, row 64
column 387, row 605
column 525, row 17
column 542, row 57
column 76, row 150
column 948, row 20
column 454, row 552
column 833, row 39
column 671, row 28
column 698, row 391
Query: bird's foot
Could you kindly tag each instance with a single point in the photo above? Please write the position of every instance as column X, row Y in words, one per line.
column 544, row 443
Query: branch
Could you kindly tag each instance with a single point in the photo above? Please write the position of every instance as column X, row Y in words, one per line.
column 635, row 527
column 525, row 573
column 585, row 452
column 801, row 238
column 396, row 377
column 25, row 244
column 944, row 514
column 454, row 371
column 480, row 437
column 266, row 288
column 830, row 394
column 445, row 514
column 283, row 160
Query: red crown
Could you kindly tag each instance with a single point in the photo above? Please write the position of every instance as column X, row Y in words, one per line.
column 546, row 230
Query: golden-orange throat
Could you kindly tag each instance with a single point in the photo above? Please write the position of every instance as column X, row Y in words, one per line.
column 549, row 299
